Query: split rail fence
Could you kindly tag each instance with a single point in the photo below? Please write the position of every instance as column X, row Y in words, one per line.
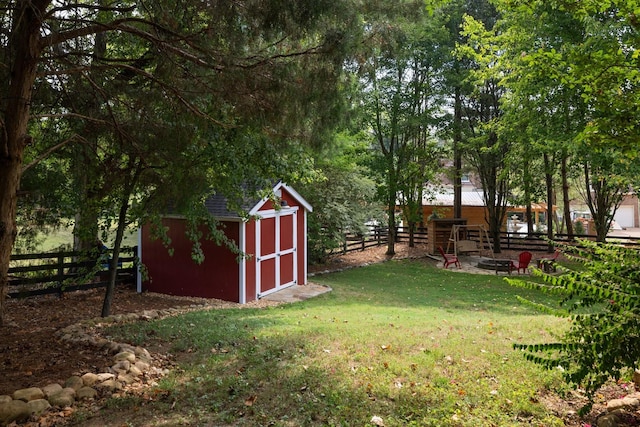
column 378, row 236
column 59, row 272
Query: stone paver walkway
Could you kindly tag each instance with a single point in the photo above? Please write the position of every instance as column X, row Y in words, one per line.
column 469, row 264
column 297, row 293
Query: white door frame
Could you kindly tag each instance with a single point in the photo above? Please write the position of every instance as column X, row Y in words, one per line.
column 278, row 252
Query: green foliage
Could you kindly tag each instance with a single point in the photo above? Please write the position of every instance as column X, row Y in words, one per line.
column 341, row 193
column 600, row 297
column 399, row 74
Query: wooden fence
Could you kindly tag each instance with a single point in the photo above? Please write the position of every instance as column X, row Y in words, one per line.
column 48, row 273
column 377, row 236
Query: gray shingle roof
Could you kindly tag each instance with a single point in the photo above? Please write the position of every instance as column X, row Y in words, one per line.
column 217, row 205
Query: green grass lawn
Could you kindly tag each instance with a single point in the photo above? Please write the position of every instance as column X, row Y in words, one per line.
column 403, row 340
column 62, row 239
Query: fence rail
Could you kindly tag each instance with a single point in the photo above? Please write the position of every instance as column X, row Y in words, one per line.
column 378, row 236
column 49, row 273
column 536, row 242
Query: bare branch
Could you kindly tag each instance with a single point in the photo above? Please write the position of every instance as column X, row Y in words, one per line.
column 48, row 152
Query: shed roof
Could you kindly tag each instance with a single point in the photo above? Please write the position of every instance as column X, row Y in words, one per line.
column 218, row 205
column 445, row 198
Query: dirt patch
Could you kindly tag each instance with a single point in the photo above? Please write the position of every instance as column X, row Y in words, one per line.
column 33, row 356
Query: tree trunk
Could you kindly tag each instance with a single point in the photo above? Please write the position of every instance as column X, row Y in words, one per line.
column 135, row 170
column 527, row 198
column 10, row 168
column 566, row 200
column 457, row 154
column 548, row 176
column 113, row 265
column 22, row 55
column 391, row 243
column 85, row 228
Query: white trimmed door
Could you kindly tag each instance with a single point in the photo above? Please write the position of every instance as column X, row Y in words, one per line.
column 276, row 249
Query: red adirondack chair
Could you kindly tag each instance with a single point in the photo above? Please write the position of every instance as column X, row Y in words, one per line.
column 523, row 262
column 449, row 259
column 549, row 264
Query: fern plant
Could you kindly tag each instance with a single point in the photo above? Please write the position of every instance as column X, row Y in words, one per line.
column 600, row 297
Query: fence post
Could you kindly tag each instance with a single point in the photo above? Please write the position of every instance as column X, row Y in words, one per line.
column 60, row 272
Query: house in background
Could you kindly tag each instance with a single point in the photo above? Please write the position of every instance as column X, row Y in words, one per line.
column 627, row 215
column 274, row 240
column 439, row 204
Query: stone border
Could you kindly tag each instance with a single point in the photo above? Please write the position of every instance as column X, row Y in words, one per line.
column 133, row 367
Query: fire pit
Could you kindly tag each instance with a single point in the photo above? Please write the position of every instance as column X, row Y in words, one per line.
column 496, row 265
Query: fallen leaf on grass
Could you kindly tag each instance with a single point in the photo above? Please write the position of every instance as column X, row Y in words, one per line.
column 377, row 421
column 250, row 400
column 385, row 347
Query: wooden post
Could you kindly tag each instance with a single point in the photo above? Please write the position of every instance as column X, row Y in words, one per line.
column 60, row 273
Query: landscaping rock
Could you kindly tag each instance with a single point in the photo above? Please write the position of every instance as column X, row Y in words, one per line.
column 636, row 378
column 609, row 420
column 27, row 394
column 5, row 399
column 125, row 356
column 121, row 367
column 105, row 376
column 63, row 398
column 89, row 379
column 143, row 366
column 85, row 393
column 50, row 389
column 127, row 378
column 624, row 403
column 38, row 407
column 109, row 385
column 16, row 410
column 135, row 371
column 74, row 383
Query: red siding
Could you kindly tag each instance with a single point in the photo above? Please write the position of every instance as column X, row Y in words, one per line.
column 286, row 268
column 267, row 275
column 267, row 236
column 216, row 277
column 286, row 232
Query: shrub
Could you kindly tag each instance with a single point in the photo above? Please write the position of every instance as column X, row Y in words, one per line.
column 600, row 297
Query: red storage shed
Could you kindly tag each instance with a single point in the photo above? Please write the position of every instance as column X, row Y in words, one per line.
column 275, row 239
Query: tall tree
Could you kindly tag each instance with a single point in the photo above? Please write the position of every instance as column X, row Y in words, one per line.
column 574, row 64
column 487, row 146
column 456, row 70
column 401, row 96
column 223, row 61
